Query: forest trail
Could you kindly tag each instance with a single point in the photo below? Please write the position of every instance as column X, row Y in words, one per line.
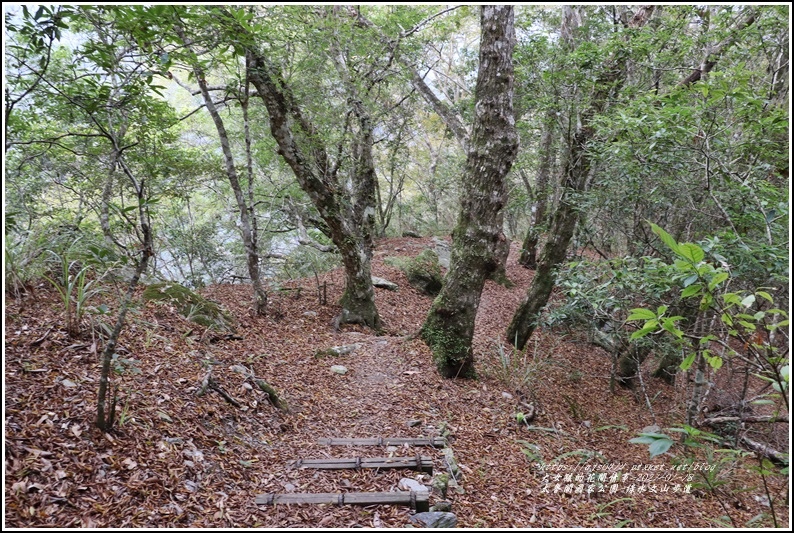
column 181, row 460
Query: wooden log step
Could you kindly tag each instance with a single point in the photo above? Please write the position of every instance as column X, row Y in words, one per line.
column 423, row 463
column 437, row 442
column 418, row 501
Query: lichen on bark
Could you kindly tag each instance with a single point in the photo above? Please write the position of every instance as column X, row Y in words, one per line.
column 478, row 242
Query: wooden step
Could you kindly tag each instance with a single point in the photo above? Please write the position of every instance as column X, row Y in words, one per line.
column 423, row 463
column 437, row 442
column 419, row 501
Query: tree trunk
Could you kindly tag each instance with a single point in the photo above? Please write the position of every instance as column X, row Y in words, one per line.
column 563, row 225
column 350, row 221
column 246, row 230
column 528, row 256
column 576, row 174
column 449, row 327
column 105, row 417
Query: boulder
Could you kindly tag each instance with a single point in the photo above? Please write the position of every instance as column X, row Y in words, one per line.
column 338, row 350
column 443, row 506
column 435, row 519
column 190, row 305
column 443, row 251
column 384, row 283
column 423, row 271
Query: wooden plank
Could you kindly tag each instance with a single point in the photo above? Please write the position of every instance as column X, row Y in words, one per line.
column 416, row 500
column 422, row 464
column 437, row 442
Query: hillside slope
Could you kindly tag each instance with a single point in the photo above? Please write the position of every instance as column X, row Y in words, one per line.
column 178, row 459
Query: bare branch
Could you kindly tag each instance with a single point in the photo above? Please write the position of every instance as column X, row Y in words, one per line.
column 714, row 53
column 408, row 33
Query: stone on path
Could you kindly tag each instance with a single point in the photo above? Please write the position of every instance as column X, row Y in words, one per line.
column 407, row 483
column 435, row 519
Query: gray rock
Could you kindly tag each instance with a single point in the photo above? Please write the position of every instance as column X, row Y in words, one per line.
column 453, row 464
column 435, row 519
column 651, row 429
column 339, row 369
column 407, row 483
column 507, row 396
column 384, row 283
column 444, row 506
column 443, row 251
column 344, row 349
column 454, row 485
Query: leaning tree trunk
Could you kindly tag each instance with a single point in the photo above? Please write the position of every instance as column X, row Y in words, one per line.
column 563, row 224
column 349, row 220
column 576, row 173
column 528, row 257
column 449, row 327
column 246, row 227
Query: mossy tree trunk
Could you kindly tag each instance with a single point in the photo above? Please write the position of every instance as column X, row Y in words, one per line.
column 348, row 214
column 575, row 177
column 477, row 238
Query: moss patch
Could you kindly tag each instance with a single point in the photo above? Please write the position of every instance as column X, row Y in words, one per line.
column 423, row 271
column 451, row 355
column 190, row 305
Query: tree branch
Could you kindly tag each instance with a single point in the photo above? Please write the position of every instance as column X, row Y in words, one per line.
column 713, row 55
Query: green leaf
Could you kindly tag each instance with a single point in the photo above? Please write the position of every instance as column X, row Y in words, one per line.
column 731, row 298
column 748, row 300
column 690, row 280
column 727, row 320
column 686, row 363
column 765, row 295
column 649, row 327
column 717, row 279
column 715, row 362
column 691, row 251
column 666, row 238
column 640, row 314
column 691, row 290
column 669, row 325
column 660, row 446
column 662, row 309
